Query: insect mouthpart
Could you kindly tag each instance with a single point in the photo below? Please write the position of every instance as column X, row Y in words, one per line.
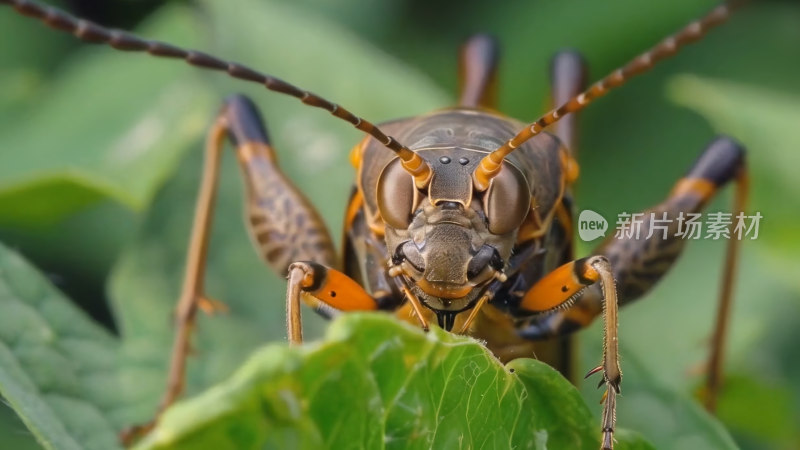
column 446, row 257
column 445, row 276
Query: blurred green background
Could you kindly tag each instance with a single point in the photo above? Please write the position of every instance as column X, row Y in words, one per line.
column 100, row 156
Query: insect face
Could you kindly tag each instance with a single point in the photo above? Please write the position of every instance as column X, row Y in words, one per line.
column 448, row 240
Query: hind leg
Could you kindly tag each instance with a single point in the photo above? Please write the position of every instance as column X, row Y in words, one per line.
column 283, row 223
column 640, row 260
column 568, row 78
column 478, row 71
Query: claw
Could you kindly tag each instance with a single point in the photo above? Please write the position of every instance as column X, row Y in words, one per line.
column 616, row 385
column 593, row 371
column 615, row 382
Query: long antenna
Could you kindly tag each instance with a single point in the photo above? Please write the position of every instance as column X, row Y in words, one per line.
column 490, row 165
column 122, row 40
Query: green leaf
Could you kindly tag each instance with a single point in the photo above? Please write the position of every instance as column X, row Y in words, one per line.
column 58, row 370
column 377, row 383
column 13, row 433
column 401, row 387
column 745, row 394
column 133, row 124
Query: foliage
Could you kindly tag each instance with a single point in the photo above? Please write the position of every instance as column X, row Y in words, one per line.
column 68, row 380
column 376, row 383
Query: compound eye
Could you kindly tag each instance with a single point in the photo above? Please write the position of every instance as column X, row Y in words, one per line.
column 396, row 195
column 507, row 201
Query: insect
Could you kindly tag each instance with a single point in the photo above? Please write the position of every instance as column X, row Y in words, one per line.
column 462, row 216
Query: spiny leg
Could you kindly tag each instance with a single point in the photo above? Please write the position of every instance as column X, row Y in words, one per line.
column 281, row 220
column 193, row 282
column 289, row 233
column 194, row 276
column 284, row 225
column 722, row 319
column 477, row 64
column 559, row 290
column 647, row 260
column 639, row 262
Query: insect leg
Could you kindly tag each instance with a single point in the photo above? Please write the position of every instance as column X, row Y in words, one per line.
column 639, row 261
column 284, row 225
column 478, row 72
column 326, row 290
column 282, row 222
column 560, row 289
column 568, row 78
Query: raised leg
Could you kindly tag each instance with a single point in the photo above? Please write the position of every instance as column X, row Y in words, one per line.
column 640, row 259
column 477, row 72
column 568, row 78
column 284, row 225
column 281, row 220
column 559, row 290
